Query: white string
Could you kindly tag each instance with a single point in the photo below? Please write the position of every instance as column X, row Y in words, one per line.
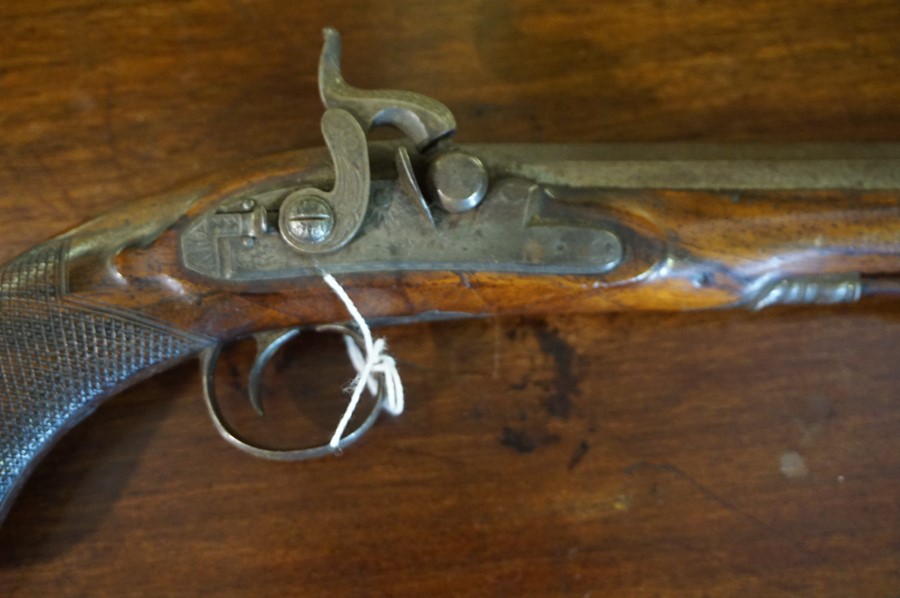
column 375, row 362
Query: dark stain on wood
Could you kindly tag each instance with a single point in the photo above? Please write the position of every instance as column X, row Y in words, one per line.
column 565, row 383
column 526, row 439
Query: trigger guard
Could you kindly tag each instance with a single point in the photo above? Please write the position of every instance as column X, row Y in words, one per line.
column 209, row 359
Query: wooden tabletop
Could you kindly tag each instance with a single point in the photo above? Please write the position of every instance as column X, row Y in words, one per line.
column 713, row 454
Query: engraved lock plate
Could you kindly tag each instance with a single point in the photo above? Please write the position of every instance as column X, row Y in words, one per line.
column 508, row 233
column 362, row 225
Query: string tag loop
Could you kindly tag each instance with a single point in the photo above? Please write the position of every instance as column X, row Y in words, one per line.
column 370, row 361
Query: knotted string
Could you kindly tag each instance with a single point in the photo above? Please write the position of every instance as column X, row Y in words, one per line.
column 375, row 361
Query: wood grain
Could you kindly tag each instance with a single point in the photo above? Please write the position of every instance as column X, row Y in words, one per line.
column 631, row 454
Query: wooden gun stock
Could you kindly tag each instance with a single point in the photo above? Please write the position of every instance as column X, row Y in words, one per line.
column 97, row 309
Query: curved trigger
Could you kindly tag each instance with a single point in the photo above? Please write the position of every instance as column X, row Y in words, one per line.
column 267, row 344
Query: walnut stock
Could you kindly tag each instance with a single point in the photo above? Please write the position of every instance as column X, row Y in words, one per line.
column 111, row 302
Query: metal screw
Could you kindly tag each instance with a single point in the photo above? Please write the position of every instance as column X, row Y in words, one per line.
column 305, row 219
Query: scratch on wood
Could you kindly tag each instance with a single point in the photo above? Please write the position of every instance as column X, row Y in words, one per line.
column 727, row 505
column 578, row 455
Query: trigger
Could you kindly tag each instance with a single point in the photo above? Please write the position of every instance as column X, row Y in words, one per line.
column 267, row 344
